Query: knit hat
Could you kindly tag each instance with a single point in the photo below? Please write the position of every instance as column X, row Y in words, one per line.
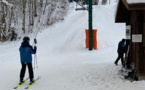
column 26, row 39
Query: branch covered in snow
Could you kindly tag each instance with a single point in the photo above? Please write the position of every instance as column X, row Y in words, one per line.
column 7, row 3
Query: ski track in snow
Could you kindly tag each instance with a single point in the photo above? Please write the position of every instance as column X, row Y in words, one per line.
column 65, row 63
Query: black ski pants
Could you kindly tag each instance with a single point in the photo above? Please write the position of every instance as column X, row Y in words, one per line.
column 120, row 56
column 23, row 69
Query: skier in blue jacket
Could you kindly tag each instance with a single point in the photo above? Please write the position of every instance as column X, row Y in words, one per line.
column 26, row 51
column 121, row 51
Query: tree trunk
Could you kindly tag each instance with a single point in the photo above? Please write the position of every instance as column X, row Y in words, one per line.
column 29, row 6
column 45, row 7
column 24, row 6
column 0, row 18
column 32, row 16
column 10, row 19
column 41, row 3
column 3, row 28
column 3, row 12
column 35, row 8
column 104, row 2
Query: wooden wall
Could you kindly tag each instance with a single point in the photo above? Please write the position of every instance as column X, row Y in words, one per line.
column 137, row 27
column 144, row 41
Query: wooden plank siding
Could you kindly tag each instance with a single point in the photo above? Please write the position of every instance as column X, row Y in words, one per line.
column 144, row 41
column 139, row 30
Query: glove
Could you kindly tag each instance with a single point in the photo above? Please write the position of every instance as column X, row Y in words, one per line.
column 35, row 41
column 35, row 47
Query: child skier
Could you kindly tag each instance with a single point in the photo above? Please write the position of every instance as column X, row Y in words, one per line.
column 26, row 51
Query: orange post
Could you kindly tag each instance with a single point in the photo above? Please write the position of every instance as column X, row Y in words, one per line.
column 94, row 39
column 87, row 38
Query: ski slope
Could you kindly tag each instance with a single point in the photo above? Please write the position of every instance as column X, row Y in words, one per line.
column 63, row 61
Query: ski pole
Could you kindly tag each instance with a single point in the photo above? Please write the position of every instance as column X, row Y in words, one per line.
column 35, row 56
column 35, row 61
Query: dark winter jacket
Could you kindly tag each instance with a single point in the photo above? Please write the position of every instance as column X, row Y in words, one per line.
column 26, row 52
column 121, row 47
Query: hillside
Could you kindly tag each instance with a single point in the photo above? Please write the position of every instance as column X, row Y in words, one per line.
column 64, row 62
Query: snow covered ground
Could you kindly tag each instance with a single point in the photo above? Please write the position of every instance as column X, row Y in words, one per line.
column 64, row 62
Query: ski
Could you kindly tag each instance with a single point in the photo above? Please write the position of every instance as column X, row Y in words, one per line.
column 20, row 83
column 30, row 84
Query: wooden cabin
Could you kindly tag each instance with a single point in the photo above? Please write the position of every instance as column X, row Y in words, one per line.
column 133, row 14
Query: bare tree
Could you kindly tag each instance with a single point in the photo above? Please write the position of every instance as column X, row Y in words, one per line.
column 3, row 20
column 24, row 14
column 41, row 3
column 104, row 2
column 35, row 8
column 0, row 17
column 31, row 12
column 10, row 19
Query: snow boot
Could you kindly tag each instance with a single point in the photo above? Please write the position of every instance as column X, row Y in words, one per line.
column 32, row 80
column 21, row 80
column 115, row 63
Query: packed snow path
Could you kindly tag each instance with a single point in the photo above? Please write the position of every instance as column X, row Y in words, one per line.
column 64, row 63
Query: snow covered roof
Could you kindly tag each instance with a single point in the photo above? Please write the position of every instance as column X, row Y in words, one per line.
column 134, row 4
column 135, row 1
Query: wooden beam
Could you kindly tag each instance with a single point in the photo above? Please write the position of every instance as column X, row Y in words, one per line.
column 135, row 6
column 126, row 4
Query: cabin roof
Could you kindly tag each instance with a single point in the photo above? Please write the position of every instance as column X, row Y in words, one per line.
column 125, row 6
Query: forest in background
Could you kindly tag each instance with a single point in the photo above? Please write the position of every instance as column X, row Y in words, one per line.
column 22, row 17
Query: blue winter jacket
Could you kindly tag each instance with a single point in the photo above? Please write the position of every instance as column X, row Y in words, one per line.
column 26, row 52
column 121, row 47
